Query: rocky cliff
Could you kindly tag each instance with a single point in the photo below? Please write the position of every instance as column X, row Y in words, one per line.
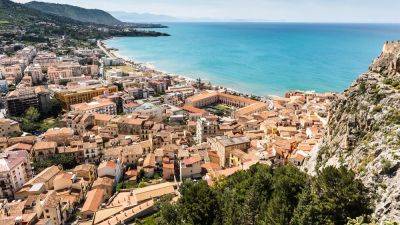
column 363, row 132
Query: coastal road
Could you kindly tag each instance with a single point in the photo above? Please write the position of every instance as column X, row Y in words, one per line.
column 109, row 54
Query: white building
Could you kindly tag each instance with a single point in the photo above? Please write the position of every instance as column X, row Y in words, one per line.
column 101, row 106
column 190, row 168
column 15, row 170
column 206, row 128
column 112, row 169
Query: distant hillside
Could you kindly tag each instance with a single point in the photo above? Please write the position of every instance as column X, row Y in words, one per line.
column 17, row 14
column 76, row 13
column 21, row 23
column 143, row 17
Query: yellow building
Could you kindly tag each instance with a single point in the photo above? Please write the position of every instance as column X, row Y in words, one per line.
column 9, row 128
column 75, row 96
column 224, row 146
column 245, row 106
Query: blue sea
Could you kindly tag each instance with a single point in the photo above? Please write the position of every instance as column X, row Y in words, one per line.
column 264, row 58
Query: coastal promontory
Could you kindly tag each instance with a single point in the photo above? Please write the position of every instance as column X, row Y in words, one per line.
column 363, row 132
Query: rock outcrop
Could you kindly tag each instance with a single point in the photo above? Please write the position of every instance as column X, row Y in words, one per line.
column 363, row 132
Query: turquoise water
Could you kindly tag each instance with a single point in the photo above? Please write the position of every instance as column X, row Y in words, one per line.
column 264, row 58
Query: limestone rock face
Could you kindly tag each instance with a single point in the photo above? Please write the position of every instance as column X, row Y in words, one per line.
column 363, row 132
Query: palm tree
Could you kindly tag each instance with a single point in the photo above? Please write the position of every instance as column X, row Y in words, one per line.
column 199, row 83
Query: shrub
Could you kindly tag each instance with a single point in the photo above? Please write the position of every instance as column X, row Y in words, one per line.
column 387, row 166
column 362, row 88
column 377, row 108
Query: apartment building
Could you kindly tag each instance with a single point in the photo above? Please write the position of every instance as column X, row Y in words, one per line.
column 15, row 170
column 43, row 149
column 82, row 94
column 101, row 106
column 224, row 145
column 63, row 70
column 45, row 59
column 35, row 72
column 9, row 128
column 190, row 167
column 20, row 100
column 62, row 136
column 205, row 128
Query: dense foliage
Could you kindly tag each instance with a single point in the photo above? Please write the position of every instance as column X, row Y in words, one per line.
column 76, row 13
column 33, row 121
column 66, row 161
column 263, row 195
column 21, row 23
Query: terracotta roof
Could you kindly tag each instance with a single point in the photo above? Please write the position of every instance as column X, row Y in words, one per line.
column 44, row 145
column 58, row 131
column 102, row 117
column 251, row 108
column 191, row 160
column 93, row 201
column 110, row 164
column 212, row 154
column 51, row 200
column 85, row 167
column 93, row 105
column 201, row 96
column 103, row 181
column 64, row 175
column 153, row 191
column 44, row 176
column 131, row 173
column 168, row 165
column 9, row 160
column 297, row 157
column 150, row 160
column 193, row 109
column 133, row 121
column 19, row 146
column 211, row 166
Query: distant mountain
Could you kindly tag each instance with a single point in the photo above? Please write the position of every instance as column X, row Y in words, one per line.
column 17, row 14
column 76, row 13
column 143, row 17
column 21, row 23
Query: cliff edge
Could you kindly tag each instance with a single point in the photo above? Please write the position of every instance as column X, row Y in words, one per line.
column 363, row 132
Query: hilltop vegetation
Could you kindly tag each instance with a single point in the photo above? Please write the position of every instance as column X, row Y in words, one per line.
column 263, row 195
column 364, row 132
column 76, row 13
column 20, row 23
column 94, row 16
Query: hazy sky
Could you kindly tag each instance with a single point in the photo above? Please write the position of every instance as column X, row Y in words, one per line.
column 256, row 10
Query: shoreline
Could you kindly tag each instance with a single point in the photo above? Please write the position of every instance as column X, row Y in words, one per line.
column 114, row 52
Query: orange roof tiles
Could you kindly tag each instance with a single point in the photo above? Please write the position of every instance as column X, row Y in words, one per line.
column 193, row 109
column 93, row 200
column 44, row 145
column 191, row 160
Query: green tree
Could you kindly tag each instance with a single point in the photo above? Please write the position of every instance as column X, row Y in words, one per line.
column 263, row 195
column 198, row 203
column 32, row 114
column 278, row 211
column 66, row 161
column 335, row 196
column 55, row 107
column 288, row 184
column 30, row 119
column 169, row 214
column 199, row 83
